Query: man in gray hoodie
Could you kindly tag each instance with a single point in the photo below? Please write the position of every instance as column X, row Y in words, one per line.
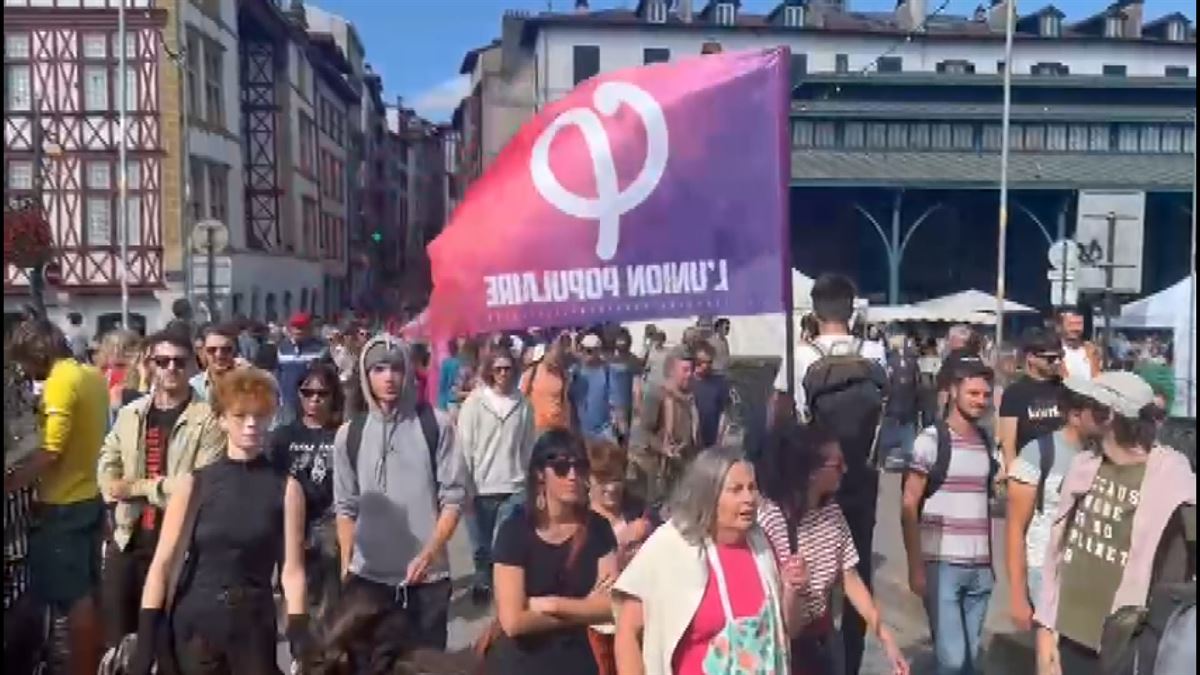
column 397, row 500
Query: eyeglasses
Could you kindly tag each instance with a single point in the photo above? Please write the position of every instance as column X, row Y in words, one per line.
column 561, row 466
column 314, row 393
column 502, row 369
column 165, row 362
column 1051, row 357
column 214, row 351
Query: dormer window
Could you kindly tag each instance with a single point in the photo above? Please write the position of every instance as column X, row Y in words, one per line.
column 1050, row 26
column 656, row 11
column 1114, row 27
column 725, row 13
column 793, row 16
column 1176, row 31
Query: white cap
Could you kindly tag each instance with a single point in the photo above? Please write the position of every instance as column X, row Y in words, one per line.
column 590, row 341
column 1125, row 393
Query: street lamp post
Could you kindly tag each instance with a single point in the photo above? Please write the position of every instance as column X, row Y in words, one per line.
column 1002, row 243
column 122, row 165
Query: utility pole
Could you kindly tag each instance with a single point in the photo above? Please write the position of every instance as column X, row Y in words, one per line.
column 122, row 163
column 1002, row 242
column 212, row 274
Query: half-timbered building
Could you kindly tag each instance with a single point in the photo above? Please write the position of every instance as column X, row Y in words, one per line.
column 62, row 87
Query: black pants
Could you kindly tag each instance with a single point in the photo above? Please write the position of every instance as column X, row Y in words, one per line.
column 322, row 569
column 858, row 505
column 121, row 583
column 411, row 617
column 225, row 633
column 1077, row 659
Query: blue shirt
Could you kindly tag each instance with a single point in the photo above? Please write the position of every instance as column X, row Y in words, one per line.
column 447, row 380
column 712, row 397
column 621, row 374
column 592, row 396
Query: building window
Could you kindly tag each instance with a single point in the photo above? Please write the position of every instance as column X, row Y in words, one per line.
column 918, row 136
column 964, row 137
column 133, row 202
column 942, row 137
column 802, row 134
column 196, row 200
column 1151, row 141
column 1056, row 138
column 1114, row 27
column 956, row 67
column 95, row 47
column 17, row 94
column 16, row 46
column 799, row 67
column 1115, row 71
column 1101, row 138
column 841, row 63
column 890, row 64
column 1177, row 71
column 655, row 55
column 19, row 175
column 656, row 11
column 218, row 192
column 586, row 62
column 98, row 207
column 1000, row 66
column 825, row 135
column 1050, row 69
column 897, row 136
column 1176, row 31
column 214, row 104
column 1189, row 139
column 308, row 143
column 308, row 210
column 131, row 88
column 793, row 16
column 726, row 13
column 95, row 88
column 1078, row 138
column 1172, row 139
column 993, row 137
column 1050, row 26
column 854, row 135
column 877, row 135
column 1127, row 138
column 1035, row 137
column 192, row 57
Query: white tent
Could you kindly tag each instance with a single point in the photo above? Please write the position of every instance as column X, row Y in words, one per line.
column 903, row 313
column 966, row 303
column 1170, row 309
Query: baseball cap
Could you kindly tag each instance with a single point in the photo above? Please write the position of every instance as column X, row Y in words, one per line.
column 1123, row 392
column 590, row 341
column 300, row 320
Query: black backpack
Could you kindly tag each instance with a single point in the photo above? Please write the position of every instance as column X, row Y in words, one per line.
column 1045, row 463
column 429, row 427
column 845, row 393
column 941, row 464
column 904, row 380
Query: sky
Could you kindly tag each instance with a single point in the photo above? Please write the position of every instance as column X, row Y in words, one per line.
column 418, row 45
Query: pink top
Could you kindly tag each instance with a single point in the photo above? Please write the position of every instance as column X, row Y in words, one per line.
column 745, row 595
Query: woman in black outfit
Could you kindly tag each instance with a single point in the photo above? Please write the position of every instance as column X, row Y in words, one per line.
column 247, row 516
column 303, row 449
column 554, row 566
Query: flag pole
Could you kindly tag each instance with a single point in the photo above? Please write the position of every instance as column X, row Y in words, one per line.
column 1002, row 242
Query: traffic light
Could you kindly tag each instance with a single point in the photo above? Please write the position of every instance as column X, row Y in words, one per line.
column 377, row 236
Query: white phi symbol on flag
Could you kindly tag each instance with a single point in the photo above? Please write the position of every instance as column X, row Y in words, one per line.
column 611, row 202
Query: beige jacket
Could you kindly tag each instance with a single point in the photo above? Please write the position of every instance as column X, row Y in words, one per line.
column 196, row 440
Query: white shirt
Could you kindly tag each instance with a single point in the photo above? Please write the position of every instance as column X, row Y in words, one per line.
column 805, row 355
column 1077, row 362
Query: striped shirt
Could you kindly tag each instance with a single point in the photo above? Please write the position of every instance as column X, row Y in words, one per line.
column 823, row 541
column 955, row 523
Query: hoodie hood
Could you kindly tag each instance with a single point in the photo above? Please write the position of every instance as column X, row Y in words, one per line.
column 406, row 403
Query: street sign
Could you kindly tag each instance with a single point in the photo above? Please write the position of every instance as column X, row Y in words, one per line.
column 1111, row 220
column 1064, row 269
column 210, row 231
column 52, row 273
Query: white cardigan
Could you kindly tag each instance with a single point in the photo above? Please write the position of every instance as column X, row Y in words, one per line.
column 669, row 576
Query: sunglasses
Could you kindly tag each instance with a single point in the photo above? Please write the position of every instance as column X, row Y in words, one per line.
column 314, row 393
column 502, row 369
column 561, row 466
column 165, row 362
column 1051, row 357
column 213, row 351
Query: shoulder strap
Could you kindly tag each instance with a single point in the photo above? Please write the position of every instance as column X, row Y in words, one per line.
column 528, row 389
column 792, row 528
column 354, row 438
column 941, row 464
column 429, row 427
column 1045, row 463
column 186, row 532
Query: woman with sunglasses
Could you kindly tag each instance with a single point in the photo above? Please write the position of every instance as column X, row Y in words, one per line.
column 244, row 519
column 495, row 431
column 303, row 449
column 554, row 566
column 801, row 469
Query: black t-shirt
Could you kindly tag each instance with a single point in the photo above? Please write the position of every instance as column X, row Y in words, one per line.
column 159, row 424
column 561, row 651
column 712, row 397
column 1034, row 404
column 306, row 454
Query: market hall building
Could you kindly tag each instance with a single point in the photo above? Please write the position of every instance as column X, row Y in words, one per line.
column 896, row 124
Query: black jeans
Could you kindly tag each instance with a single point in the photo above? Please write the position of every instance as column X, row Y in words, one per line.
column 121, row 582
column 410, row 617
column 322, row 568
column 1077, row 659
column 858, row 505
column 228, row 632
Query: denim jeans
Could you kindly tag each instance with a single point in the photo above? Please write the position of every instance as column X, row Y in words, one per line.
column 489, row 511
column 956, row 602
column 896, row 440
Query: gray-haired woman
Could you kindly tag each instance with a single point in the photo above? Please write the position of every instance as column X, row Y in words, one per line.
column 703, row 595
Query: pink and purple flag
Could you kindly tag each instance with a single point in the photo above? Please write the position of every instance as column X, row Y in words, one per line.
column 651, row 192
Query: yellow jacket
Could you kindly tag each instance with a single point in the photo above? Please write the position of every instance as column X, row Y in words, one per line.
column 195, row 441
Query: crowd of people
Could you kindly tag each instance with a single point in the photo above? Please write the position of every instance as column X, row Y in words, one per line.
column 197, row 495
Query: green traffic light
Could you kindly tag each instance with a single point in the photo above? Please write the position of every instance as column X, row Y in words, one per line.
column 376, row 237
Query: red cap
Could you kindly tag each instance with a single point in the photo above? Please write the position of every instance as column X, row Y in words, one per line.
column 300, row 320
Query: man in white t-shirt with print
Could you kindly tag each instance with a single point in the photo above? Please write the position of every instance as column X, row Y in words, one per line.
column 833, row 305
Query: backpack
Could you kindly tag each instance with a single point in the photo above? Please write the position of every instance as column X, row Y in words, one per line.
column 429, row 427
column 941, row 465
column 845, row 394
column 903, row 387
column 1045, row 463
